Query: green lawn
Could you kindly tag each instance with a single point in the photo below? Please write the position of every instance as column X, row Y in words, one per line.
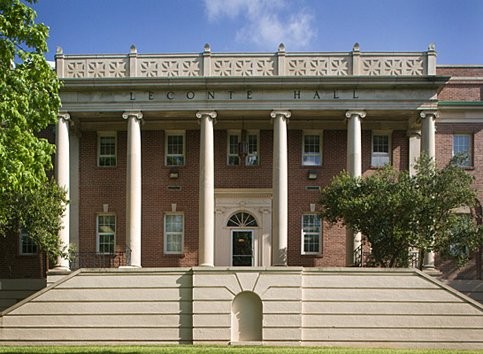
column 178, row 349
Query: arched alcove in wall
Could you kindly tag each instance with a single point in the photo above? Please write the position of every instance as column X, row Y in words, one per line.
column 246, row 317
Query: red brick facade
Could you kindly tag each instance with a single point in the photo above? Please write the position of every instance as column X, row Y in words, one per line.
column 101, row 186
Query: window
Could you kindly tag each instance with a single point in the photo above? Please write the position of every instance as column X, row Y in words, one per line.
column 27, row 246
column 242, row 219
column 173, row 233
column 311, row 150
column 106, row 149
column 252, row 158
column 106, row 233
column 232, row 155
column 462, row 147
column 175, row 149
column 245, row 141
column 311, row 234
column 381, row 146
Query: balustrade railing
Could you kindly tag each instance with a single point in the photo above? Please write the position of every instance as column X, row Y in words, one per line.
column 362, row 258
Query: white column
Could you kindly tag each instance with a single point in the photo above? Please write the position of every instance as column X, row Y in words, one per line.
column 354, row 168
column 207, row 190
column 280, row 188
column 414, row 136
column 133, row 186
column 428, row 133
column 428, row 146
column 63, row 180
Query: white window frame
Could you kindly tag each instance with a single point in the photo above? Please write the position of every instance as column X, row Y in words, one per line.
column 169, row 133
column 229, row 154
column 168, row 233
column 257, row 155
column 378, row 155
column 23, row 238
column 469, row 162
column 105, row 134
column 303, row 233
column 98, row 233
column 305, row 154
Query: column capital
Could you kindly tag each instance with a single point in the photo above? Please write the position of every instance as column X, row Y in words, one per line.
column 64, row 116
column 136, row 114
column 285, row 114
column 429, row 114
column 209, row 114
column 360, row 114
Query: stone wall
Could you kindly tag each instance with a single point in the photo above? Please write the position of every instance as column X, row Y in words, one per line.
column 270, row 306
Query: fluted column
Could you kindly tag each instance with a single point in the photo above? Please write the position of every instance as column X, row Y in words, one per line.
column 354, row 168
column 63, row 180
column 207, row 190
column 428, row 146
column 280, row 188
column 133, row 186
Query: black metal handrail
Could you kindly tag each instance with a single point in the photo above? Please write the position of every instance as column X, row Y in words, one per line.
column 99, row 260
column 362, row 258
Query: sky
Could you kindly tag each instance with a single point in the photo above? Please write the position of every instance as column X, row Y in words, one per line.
column 184, row 26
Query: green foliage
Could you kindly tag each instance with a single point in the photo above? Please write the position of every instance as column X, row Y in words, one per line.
column 35, row 211
column 29, row 91
column 397, row 211
column 30, row 97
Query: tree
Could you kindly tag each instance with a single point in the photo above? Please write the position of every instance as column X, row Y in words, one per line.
column 29, row 91
column 397, row 212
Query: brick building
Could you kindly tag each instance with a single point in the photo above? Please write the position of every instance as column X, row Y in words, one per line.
column 214, row 159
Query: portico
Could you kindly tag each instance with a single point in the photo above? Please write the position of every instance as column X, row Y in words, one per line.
column 213, row 94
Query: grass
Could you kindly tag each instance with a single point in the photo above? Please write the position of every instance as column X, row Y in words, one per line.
column 178, row 349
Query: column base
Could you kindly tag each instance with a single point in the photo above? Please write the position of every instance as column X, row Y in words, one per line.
column 56, row 274
column 129, row 267
column 432, row 271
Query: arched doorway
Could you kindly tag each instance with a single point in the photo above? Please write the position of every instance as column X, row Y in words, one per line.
column 242, row 239
column 246, row 318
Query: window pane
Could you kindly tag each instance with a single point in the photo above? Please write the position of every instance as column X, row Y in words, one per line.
column 233, row 159
column 380, row 143
column 175, row 150
column 27, row 245
column 252, row 158
column 106, row 233
column 311, row 233
column 173, row 233
column 462, row 146
column 311, row 151
column 107, row 151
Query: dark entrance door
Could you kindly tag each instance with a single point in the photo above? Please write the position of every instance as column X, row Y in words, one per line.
column 242, row 248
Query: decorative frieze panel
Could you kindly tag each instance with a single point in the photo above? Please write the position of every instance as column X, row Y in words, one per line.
column 235, row 66
column 206, row 64
column 392, row 66
column 318, row 66
column 97, row 68
column 169, row 66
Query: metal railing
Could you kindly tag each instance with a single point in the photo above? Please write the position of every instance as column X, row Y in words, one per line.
column 100, row 260
column 362, row 258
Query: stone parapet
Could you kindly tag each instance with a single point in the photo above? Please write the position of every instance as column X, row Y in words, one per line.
column 280, row 63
